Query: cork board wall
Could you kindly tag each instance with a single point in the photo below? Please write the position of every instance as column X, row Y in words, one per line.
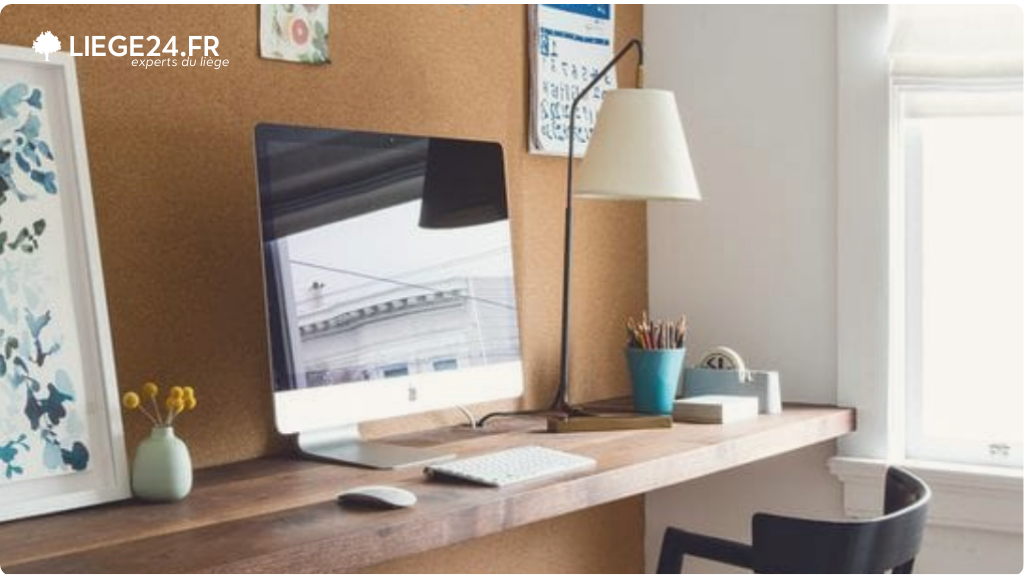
column 171, row 156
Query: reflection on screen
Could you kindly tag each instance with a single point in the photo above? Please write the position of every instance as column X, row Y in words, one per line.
column 376, row 296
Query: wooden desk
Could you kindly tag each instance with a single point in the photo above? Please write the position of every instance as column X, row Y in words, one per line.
column 279, row 515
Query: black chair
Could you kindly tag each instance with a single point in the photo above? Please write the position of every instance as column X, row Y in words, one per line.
column 790, row 545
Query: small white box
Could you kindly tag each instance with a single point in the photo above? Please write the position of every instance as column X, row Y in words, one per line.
column 715, row 409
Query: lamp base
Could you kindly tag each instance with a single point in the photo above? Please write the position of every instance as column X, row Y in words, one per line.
column 600, row 423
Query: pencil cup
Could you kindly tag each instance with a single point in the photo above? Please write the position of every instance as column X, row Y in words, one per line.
column 655, row 377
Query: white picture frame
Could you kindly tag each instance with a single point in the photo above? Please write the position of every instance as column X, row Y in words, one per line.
column 61, row 438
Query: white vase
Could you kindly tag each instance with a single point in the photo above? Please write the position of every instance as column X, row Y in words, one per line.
column 162, row 470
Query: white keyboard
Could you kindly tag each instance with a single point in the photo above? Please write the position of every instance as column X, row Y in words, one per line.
column 511, row 466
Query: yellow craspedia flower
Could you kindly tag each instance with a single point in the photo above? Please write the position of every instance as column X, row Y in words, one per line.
column 178, row 400
column 175, row 404
column 131, row 400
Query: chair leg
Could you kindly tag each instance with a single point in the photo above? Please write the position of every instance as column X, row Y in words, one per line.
column 676, row 543
column 670, row 560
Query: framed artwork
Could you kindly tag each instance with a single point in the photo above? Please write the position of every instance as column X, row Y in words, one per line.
column 61, row 441
column 294, row 32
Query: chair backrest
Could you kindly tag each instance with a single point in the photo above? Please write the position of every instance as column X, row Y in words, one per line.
column 889, row 542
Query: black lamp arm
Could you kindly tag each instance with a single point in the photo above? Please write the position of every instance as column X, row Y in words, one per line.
column 561, row 401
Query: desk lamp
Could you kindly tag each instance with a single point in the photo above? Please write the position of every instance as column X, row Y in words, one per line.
column 637, row 151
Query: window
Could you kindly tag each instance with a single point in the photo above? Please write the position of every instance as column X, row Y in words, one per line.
column 930, row 231
column 396, row 370
column 957, row 156
column 956, row 222
column 445, row 364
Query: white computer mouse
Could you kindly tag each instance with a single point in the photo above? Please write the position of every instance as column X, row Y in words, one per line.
column 383, row 497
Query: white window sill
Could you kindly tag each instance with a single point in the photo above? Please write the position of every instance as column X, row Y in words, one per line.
column 972, row 497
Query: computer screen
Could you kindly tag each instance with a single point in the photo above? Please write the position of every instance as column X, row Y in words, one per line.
column 388, row 274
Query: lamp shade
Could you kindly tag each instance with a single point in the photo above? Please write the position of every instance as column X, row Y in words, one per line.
column 638, row 150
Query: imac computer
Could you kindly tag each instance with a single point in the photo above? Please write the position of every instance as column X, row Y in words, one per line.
column 389, row 284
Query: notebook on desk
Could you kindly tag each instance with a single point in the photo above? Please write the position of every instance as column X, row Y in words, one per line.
column 511, row 466
column 715, row 409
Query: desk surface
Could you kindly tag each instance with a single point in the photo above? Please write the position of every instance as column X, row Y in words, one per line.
column 279, row 514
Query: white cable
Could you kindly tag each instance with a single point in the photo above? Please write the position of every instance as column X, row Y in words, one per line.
column 469, row 416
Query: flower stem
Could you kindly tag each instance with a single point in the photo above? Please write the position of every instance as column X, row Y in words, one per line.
column 156, row 410
column 148, row 415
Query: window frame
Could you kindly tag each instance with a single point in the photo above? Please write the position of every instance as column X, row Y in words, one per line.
column 869, row 259
column 906, row 251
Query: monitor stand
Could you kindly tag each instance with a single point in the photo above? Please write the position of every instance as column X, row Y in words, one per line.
column 346, row 445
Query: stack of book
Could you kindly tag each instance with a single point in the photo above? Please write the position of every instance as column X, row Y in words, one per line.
column 713, row 409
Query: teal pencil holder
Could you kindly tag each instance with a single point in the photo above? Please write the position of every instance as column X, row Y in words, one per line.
column 655, row 377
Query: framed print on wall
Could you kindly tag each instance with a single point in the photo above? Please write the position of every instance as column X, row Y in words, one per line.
column 569, row 45
column 61, row 441
column 295, row 32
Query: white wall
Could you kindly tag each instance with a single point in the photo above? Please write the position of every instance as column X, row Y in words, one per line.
column 753, row 265
column 959, row 551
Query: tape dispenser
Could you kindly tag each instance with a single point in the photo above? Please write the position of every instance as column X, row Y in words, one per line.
column 722, row 371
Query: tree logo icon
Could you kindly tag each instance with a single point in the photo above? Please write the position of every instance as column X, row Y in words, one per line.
column 46, row 44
